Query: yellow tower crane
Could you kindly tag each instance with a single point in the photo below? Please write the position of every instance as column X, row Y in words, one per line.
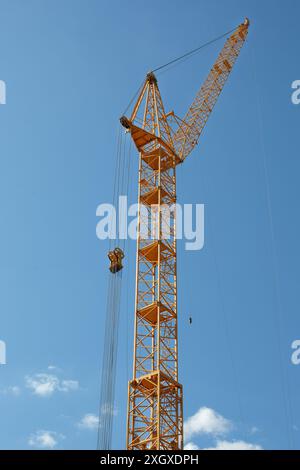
column 155, row 397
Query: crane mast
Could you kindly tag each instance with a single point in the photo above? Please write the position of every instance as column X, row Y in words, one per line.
column 155, row 396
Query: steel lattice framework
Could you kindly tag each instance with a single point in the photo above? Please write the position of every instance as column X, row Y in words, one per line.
column 155, row 399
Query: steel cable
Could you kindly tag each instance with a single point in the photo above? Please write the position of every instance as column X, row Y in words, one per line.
column 107, row 407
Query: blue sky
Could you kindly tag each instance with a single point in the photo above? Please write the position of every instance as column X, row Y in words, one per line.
column 70, row 67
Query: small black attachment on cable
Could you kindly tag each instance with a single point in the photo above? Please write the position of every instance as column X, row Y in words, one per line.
column 125, row 122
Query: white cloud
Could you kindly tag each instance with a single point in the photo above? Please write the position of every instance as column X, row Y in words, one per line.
column 89, row 421
column 191, row 446
column 14, row 390
column 44, row 439
column 234, row 445
column 68, row 385
column 11, row 390
column 45, row 385
column 226, row 445
column 206, row 421
column 42, row 384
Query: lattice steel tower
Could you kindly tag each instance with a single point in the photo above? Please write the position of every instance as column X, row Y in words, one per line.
column 155, row 415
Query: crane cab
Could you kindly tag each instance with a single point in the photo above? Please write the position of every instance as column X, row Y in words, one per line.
column 115, row 257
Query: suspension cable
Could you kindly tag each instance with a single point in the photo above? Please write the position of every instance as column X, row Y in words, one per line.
column 193, row 51
column 177, row 59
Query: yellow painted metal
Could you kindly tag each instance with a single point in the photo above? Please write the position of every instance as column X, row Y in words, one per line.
column 155, row 397
column 192, row 125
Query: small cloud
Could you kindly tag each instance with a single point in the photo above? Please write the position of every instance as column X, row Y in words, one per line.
column 14, row 390
column 68, row 385
column 191, row 446
column 45, row 439
column 45, row 385
column 89, row 421
column 206, row 421
column 53, row 367
column 234, row 445
column 11, row 390
column 42, row 384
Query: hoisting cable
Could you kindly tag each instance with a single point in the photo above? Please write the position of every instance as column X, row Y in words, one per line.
column 112, row 321
column 107, row 406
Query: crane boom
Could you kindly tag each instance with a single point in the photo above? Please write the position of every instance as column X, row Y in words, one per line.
column 191, row 127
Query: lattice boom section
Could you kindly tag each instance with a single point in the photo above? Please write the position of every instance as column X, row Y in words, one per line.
column 194, row 121
column 155, row 396
column 155, row 413
column 156, row 309
column 155, row 405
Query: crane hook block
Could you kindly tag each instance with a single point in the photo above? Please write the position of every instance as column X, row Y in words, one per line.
column 115, row 257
